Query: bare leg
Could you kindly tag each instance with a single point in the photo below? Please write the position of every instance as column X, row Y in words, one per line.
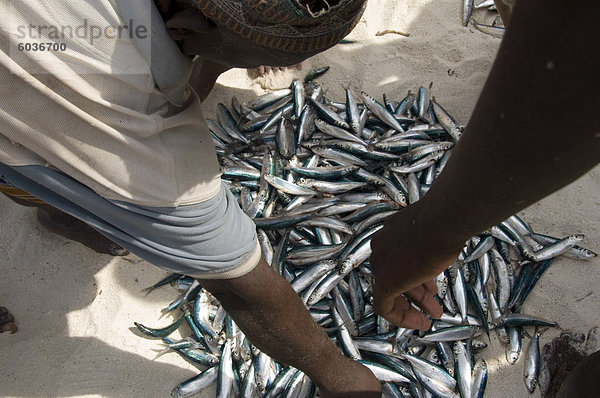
column 271, row 314
column 517, row 149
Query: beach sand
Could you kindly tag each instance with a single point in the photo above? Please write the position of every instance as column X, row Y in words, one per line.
column 75, row 309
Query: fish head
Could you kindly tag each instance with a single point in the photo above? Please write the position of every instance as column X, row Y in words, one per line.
column 512, row 357
column 530, row 382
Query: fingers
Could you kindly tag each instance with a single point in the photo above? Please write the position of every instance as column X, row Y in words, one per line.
column 423, row 298
column 403, row 314
column 431, row 287
column 398, row 310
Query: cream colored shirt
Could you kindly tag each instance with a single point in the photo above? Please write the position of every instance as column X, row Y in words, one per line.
column 112, row 110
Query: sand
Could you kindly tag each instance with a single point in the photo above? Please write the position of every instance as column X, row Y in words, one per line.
column 75, row 308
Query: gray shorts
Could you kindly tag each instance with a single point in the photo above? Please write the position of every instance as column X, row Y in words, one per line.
column 213, row 239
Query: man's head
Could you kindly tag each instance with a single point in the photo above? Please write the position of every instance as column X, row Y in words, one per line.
column 249, row 33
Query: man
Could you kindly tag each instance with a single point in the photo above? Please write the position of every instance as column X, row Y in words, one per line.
column 516, row 150
column 521, row 100
column 109, row 131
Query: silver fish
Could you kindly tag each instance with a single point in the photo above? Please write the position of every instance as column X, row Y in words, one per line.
column 532, row 363
column 292, row 180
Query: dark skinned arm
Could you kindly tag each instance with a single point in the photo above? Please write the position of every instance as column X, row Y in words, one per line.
column 535, row 129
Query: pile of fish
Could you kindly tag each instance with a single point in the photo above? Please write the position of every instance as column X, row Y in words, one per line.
column 319, row 178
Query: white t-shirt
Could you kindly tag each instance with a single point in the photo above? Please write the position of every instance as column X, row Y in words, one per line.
column 105, row 102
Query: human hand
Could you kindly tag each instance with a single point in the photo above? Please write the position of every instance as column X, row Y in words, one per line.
column 403, row 268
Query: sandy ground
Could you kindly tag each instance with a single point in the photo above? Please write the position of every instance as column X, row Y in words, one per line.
column 75, row 309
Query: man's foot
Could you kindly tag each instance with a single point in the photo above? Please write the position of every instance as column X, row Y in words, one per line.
column 71, row 228
column 7, row 321
column 264, row 70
